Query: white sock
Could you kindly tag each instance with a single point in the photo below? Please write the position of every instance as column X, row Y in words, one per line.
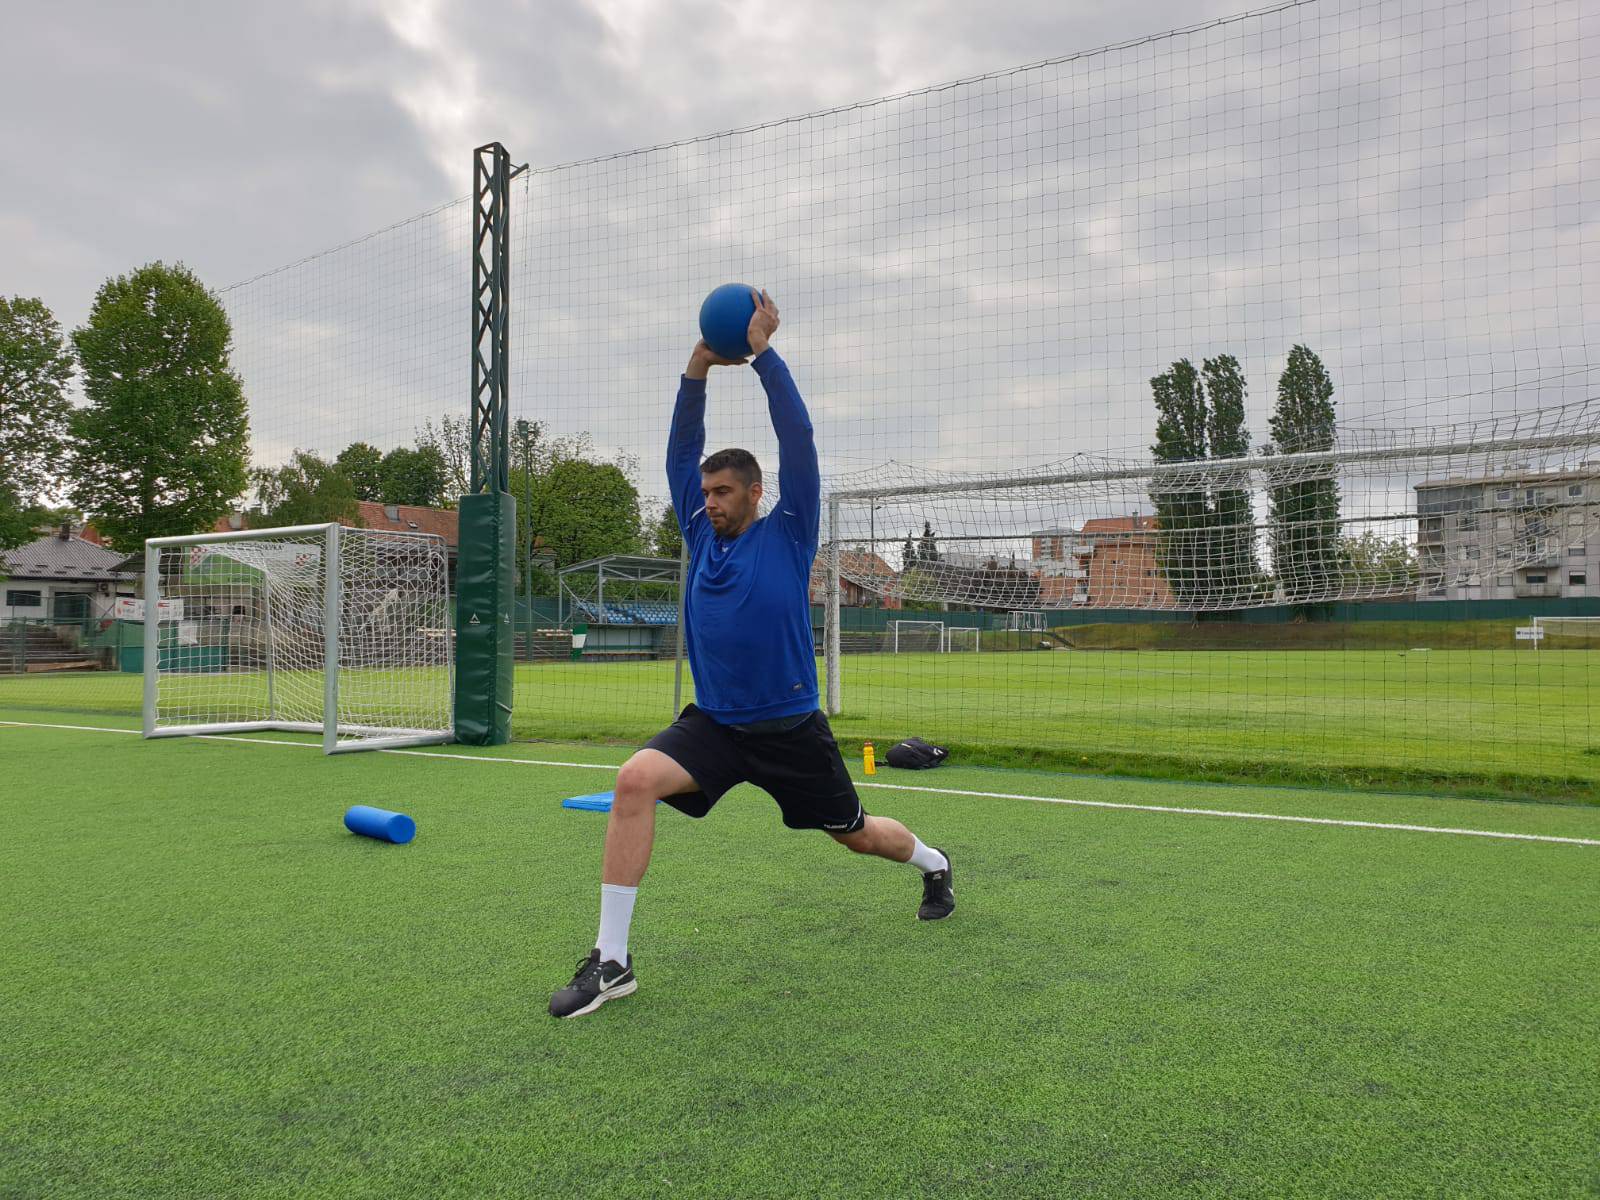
column 926, row 858
column 616, row 913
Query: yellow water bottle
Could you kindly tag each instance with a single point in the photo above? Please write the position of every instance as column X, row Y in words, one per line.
column 867, row 760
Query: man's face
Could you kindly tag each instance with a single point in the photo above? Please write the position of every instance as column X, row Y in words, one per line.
column 730, row 504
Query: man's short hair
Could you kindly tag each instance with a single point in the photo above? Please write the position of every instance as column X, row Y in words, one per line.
column 741, row 462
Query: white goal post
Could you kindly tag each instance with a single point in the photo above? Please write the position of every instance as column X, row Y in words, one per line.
column 961, row 637
column 916, row 637
column 1587, row 628
column 304, row 629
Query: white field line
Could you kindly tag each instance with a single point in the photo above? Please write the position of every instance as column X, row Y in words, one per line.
column 904, row 787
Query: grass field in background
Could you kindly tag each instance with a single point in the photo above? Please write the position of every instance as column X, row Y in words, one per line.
column 1487, row 722
column 1318, row 635
column 212, row 989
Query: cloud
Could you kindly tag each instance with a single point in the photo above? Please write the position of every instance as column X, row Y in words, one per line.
column 230, row 137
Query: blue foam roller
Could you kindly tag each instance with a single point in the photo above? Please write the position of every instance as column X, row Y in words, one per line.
column 725, row 319
column 380, row 823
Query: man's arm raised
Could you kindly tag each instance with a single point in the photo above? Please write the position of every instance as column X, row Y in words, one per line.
column 799, row 480
column 686, row 443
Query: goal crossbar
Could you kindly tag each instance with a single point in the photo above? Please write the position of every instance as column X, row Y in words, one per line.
column 1211, row 468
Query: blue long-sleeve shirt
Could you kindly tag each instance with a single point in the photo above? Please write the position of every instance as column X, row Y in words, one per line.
column 747, row 611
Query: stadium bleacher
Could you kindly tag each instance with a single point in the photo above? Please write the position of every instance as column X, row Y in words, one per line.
column 644, row 612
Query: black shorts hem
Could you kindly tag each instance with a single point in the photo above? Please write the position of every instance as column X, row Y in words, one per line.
column 800, row 768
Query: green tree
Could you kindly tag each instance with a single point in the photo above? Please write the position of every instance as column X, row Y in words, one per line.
column 928, row 550
column 908, row 553
column 361, row 464
column 584, row 509
column 1378, row 565
column 163, row 445
column 666, row 539
column 407, row 476
column 576, row 506
column 1303, row 501
column 452, row 439
column 18, row 521
column 922, row 586
column 1231, row 558
column 35, row 366
column 1185, row 517
column 306, row 490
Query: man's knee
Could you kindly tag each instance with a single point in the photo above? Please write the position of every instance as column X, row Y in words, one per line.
column 860, row 841
column 636, row 787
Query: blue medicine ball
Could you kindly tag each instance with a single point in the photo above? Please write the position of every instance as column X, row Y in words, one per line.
column 725, row 319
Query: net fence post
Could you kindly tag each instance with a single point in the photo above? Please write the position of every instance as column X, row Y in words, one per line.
column 486, row 564
column 830, row 631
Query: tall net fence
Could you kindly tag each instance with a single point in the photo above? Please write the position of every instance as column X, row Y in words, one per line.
column 1234, row 383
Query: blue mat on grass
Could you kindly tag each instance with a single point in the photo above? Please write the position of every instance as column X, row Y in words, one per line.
column 599, row 802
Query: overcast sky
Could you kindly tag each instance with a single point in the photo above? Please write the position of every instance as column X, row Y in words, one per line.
column 240, row 136
column 977, row 278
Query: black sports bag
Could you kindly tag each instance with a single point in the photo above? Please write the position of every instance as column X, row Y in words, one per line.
column 914, row 754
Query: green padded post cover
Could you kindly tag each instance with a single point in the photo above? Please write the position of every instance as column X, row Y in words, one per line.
column 486, row 576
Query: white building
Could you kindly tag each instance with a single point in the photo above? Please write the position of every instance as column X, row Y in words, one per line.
column 1517, row 535
column 62, row 578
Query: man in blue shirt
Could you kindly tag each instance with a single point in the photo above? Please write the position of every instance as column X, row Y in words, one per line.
column 747, row 622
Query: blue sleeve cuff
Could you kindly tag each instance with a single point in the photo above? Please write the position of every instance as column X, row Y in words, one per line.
column 692, row 385
column 766, row 360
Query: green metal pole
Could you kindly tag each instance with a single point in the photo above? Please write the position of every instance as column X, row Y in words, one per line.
column 525, row 436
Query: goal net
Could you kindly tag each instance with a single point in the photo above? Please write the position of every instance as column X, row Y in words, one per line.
column 1026, row 620
column 314, row 628
column 1566, row 633
column 961, row 637
column 916, row 637
column 1479, row 510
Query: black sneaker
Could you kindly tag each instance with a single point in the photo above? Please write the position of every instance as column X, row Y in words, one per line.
column 594, row 984
column 938, row 896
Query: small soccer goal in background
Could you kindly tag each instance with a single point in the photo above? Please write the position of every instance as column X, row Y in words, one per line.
column 308, row 629
column 961, row 637
column 1565, row 633
column 915, row 637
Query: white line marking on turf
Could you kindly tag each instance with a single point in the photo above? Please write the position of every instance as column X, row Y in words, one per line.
column 906, row 787
column 79, row 728
column 1251, row 816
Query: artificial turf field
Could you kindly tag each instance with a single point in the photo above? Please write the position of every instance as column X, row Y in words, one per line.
column 1475, row 721
column 211, row 989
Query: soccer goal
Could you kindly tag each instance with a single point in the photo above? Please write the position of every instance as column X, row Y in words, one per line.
column 916, row 637
column 961, row 637
column 1567, row 633
column 311, row 629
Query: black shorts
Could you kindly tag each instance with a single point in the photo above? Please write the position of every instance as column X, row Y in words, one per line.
column 800, row 768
